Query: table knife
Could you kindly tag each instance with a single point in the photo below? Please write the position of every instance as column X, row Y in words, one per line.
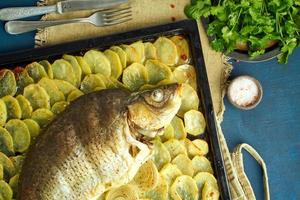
column 14, row 13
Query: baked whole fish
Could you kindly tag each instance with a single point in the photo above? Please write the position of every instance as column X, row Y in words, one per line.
column 86, row 149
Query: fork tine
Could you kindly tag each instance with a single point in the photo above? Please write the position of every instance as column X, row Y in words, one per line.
column 113, row 11
column 118, row 17
column 116, row 14
column 118, row 21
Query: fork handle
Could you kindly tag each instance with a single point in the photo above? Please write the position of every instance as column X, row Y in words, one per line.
column 17, row 27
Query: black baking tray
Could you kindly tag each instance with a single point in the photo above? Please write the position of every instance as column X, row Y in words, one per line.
column 187, row 28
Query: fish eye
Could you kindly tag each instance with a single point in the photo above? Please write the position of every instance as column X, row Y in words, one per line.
column 157, row 95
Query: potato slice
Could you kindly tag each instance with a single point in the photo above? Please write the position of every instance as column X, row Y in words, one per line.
column 8, row 167
column 76, row 68
column 74, row 95
column 20, row 134
column 8, row 85
column 6, row 142
column 85, row 68
column 122, row 55
column 63, row 70
column 209, row 192
column 175, row 148
column 135, row 76
column 140, row 49
column 13, row 183
column 193, row 150
column 47, row 67
column 3, row 113
column 168, row 133
column 201, row 164
column 33, row 127
column 25, row 106
column 6, row 192
column 1, row 172
column 160, row 192
column 160, row 155
column 58, row 107
column 23, row 79
column 131, row 54
column 65, row 87
column 147, row 177
column 204, row 177
column 13, row 107
column 36, row 71
column 157, row 71
column 117, row 84
column 189, row 100
column 42, row 116
column 184, row 187
column 17, row 162
column 184, row 164
column 183, row 49
column 90, row 82
column 150, row 51
column 179, row 130
column 98, row 62
column 186, row 74
column 125, row 192
column 201, row 145
column 166, row 51
column 170, row 172
column 37, row 96
column 115, row 62
column 52, row 90
column 194, row 122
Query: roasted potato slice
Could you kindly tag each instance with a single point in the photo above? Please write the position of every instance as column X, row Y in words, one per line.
column 13, row 108
column 183, row 49
column 6, row 192
column 20, row 134
column 37, row 96
column 6, row 142
column 194, row 122
column 175, row 148
column 3, row 113
column 160, row 192
column 18, row 162
column 8, row 85
column 204, row 177
column 186, row 74
column 65, row 87
column 150, row 51
column 58, row 107
column 74, row 95
column 209, row 192
column 125, row 192
column 189, row 100
column 42, row 116
column 90, row 82
column 36, row 71
column 23, row 79
column 98, row 62
column 13, row 183
column 199, row 148
column 184, row 164
column 48, row 68
column 115, row 62
column 8, row 167
column 131, row 54
column 33, row 127
column 161, row 155
column 201, row 164
column 25, row 106
column 85, row 68
column 134, row 76
column 76, row 68
column 50, row 87
column 166, row 51
column 184, row 188
column 179, row 130
column 140, row 49
column 122, row 55
column 157, row 71
column 170, row 172
column 201, row 145
column 168, row 133
column 1, row 172
column 63, row 70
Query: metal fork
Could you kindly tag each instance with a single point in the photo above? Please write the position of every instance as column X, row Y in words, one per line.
column 100, row 18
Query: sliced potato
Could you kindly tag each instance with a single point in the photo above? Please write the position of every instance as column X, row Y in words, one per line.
column 90, row 82
column 184, row 187
column 204, row 177
column 8, row 167
column 194, row 122
column 85, row 68
column 33, row 127
column 42, row 116
column 37, row 96
column 132, row 56
column 201, row 164
column 166, row 51
column 106, row 80
column 118, row 84
column 74, row 95
column 150, row 51
column 76, row 68
column 25, row 106
column 157, row 71
column 63, row 70
column 3, row 113
column 115, row 62
column 140, row 49
column 189, row 100
column 6, row 192
column 48, row 68
column 179, row 130
column 13, row 108
column 36, row 71
column 20, row 134
column 18, row 162
column 6, row 142
column 175, row 148
column 8, row 85
column 170, row 172
column 135, row 76
column 201, row 145
column 1, row 172
column 13, row 183
column 186, row 74
column 183, row 163
column 209, row 192
column 193, row 150
column 65, row 87
column 183, row 49
column 23, row 79
column 168, row 133
column 160, row 192
column 98, row 62
column 122, row 55
column 160, row 155
column 125, row 192
column 52, row 90
column 58, row 107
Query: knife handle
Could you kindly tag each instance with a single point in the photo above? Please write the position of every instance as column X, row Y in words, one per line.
column 13, row 13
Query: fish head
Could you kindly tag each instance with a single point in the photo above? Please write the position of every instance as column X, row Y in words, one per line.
column 150, row 111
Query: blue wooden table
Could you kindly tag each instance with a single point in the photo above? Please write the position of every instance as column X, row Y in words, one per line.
column 273, row 128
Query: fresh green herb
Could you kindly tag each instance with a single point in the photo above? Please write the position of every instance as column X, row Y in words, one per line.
column 255, row 23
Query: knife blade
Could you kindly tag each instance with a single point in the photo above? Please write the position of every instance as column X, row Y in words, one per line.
column 14, row 13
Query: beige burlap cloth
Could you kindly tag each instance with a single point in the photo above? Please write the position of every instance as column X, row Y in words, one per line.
column 153, row 12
